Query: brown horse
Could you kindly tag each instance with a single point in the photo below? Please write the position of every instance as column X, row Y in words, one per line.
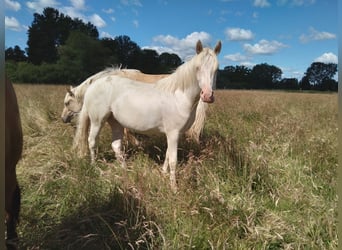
column 13, row 150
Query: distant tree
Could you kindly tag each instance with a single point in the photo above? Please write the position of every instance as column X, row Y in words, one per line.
column 15, row 54
column 82, row 56
column 330, row 85
column 304, row 83
column 264, row 76
column 50, row 30
column 149, row 61
column 233, row 77
column 288, row 83
column 111, row 45
column 169, row 62
column 318, row 73
column 127, row 51
column 42, row 37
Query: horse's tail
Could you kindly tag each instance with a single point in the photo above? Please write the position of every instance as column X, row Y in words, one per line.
column 81, row 136
column 196, row 128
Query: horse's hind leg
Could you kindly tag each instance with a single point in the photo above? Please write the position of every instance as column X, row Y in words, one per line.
column 12, row 216
column 117, row 135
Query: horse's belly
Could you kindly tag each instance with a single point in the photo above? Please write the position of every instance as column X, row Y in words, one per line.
column 142, row 116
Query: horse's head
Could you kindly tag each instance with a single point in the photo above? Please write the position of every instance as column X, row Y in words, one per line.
column 71, row 106
column 206, row 70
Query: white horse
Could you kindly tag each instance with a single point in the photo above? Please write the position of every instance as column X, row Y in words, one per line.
column 73, row 99
column 167, row 106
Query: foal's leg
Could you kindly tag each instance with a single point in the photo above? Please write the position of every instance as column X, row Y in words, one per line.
column 117, row 135
column 166, row 161
column 171, row 157
column 95, row 128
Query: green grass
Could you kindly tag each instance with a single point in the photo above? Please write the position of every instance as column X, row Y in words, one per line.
column 263, row 177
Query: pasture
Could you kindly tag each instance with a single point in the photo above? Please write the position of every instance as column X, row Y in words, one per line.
column 263, row 177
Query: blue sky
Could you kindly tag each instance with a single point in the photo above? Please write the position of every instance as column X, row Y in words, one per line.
column 290, row 34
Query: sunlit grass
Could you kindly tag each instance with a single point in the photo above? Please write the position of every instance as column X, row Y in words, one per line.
column 263, row 177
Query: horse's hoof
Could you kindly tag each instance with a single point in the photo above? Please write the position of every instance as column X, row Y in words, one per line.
column 174, row 189
column 12, row 244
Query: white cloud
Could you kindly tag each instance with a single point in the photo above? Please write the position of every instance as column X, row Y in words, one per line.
column 12, row 23
column 261, row 3
column 135, row 23
column 78, row 4
column 315, row 35
column 327, row 58
column 237, row 34
column 106, row 34
column 12, row 5
column 97, row 21
column 255, row 15
column 39, row 5
column 297, row 3
column 108, row 11
column 237, row 57
column 264, row 47
column 248, row 64
column 131, row 2
column 302, row 2
column 76, row 10
column 184, row 47
column 73, row 13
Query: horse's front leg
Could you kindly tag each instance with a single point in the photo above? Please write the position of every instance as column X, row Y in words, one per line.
column 171, row 157
column 92, row 138
column 166, row 161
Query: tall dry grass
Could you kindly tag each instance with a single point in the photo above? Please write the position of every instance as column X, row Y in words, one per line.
column 263, row 177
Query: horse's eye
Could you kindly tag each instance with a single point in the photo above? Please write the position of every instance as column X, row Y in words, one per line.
column 67, row 103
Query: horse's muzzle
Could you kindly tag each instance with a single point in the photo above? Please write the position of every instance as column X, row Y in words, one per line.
column 207, row 97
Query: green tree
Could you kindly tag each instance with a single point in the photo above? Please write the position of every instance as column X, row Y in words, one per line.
column 319, row 72
column 149, row 61
column 127, row 52
column 168, row 62
column 15, row 54
column 264, row 76
column 50, row 30
column 234, row 77
column 82, row 56
column 288, row 83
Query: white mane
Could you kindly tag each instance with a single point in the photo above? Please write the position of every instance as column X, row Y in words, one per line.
column 187, row 72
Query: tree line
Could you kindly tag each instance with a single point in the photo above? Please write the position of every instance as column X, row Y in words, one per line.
column 64, row 50
column 318, row 76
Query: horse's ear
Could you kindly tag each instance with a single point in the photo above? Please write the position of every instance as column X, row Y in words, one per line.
column 199, row 47
column 218, row 47
column 70, row 92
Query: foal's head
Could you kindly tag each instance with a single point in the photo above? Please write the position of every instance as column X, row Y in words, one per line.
column 207, row 66
column 71, row 106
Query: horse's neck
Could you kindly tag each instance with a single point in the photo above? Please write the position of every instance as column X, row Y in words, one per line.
column 184, row 79
column 80, row 90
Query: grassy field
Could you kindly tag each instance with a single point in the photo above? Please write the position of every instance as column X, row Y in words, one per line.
column 263, row 177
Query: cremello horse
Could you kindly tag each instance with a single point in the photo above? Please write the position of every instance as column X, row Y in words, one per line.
column 13, row 150
column 73, row 100
column 169, row 106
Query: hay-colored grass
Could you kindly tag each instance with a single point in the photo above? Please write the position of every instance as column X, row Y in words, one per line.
column 263, row 177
